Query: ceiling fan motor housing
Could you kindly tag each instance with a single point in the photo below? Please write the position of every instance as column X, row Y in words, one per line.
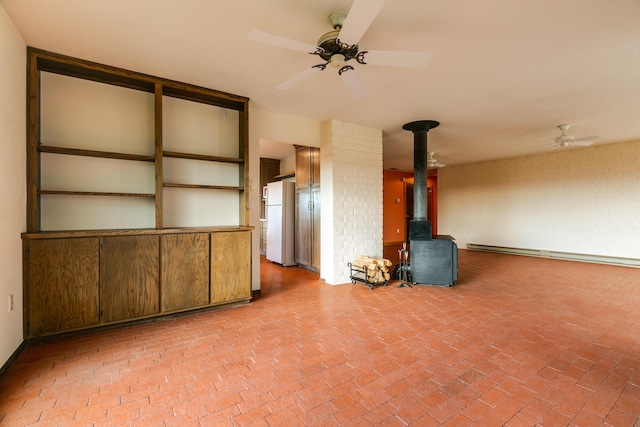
column 330, row 45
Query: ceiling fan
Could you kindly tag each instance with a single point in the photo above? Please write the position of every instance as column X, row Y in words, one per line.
column 339, row 46
column 565, row 140
column 432, row 162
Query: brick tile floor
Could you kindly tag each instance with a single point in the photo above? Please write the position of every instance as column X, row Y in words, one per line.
column 517, row 342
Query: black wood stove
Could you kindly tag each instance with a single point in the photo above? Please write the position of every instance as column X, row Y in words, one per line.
column 433, row 260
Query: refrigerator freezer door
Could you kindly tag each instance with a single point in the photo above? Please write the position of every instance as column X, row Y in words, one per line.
column 274, row 193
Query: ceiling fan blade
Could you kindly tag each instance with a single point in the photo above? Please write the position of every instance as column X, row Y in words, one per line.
column 300, row 77
column 361, row 15
column 352, row 81
column 590, row 139
column 397, row 58
column 272, row 39
column 582, row 142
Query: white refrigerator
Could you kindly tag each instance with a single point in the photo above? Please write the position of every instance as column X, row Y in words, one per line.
column 280, row 222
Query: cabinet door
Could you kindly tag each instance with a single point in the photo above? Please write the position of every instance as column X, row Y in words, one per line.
column 230, row 266
column 314, row 159
column 185, row 271
column 62, row 285
column 303, row 227
column 128, row 277
column 315, row 228
column 303, row 167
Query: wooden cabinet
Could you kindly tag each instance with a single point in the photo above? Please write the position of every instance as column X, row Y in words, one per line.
column 307, row 222
column 62, row 291
column 129, row 285
column 184, row 271
column 102, row 278
column 230, row 266
column 130, row 178
column 307, row 167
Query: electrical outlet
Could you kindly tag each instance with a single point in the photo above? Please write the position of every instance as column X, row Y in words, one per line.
column 11, row 302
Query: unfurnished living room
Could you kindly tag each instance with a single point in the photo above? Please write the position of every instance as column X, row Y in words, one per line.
column 341, row 212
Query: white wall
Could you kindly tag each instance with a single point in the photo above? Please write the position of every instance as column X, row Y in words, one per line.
column 579, row 200
column 288, row 165
column 276, row 127
column 351, row 194
column 12, row 182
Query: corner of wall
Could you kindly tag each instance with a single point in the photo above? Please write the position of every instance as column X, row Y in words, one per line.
column 13, row 54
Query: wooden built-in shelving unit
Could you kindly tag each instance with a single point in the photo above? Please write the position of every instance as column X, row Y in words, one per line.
column 78, row 277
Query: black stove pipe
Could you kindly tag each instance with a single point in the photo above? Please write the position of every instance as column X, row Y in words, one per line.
column 433, row 259
column 420, row 227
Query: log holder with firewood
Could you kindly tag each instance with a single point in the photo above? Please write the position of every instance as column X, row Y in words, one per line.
column 370, row 271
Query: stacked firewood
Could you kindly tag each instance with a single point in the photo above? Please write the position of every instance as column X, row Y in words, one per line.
column 376, row 269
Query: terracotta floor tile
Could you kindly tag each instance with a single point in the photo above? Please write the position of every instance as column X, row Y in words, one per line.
column 517, row 341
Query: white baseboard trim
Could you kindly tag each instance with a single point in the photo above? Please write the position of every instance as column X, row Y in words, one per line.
column 540, row 253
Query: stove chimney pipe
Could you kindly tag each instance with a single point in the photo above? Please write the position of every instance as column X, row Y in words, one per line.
column 420, row 226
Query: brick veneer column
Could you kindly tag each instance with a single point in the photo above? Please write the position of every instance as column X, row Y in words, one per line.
column 351, row 191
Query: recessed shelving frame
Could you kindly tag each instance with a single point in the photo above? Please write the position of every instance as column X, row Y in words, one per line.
column 43, row 61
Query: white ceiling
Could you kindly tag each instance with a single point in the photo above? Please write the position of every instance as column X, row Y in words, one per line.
column 503, row 74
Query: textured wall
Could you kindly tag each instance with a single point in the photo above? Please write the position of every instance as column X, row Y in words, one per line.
column 351, row 187
column 580, row 200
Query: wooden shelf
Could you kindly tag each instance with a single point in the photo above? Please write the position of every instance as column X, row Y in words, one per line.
column 65, row 234
column 207, row 187
column 283, row 176
column 190, row 156
column 94, row 153
column 96, row 193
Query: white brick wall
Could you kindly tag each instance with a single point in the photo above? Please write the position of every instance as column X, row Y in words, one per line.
column 351, row 188
column 580, row 200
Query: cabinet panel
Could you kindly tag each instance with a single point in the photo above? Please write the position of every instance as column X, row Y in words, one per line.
column 315, row 166
column 303, row 227
column 62, row 291
column 129, row 269
column 315, row 228
column 308, row 227
column 307, row 167
column 303, row 167
column 185, row 271
column 230, row 266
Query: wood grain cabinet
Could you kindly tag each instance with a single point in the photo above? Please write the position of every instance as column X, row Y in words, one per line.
column 76, row 283
column 230, row 266
column 137, row 196
column 185, row 271
column 129, row 286
column 62, row 291
column 307, row 224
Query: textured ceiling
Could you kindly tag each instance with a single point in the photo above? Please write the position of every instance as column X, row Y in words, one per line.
column 503, row 74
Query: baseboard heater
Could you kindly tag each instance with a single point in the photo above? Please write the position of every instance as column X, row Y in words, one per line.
column 540, row 253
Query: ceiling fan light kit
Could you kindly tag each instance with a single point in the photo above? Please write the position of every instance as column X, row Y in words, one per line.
column 339, row 46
